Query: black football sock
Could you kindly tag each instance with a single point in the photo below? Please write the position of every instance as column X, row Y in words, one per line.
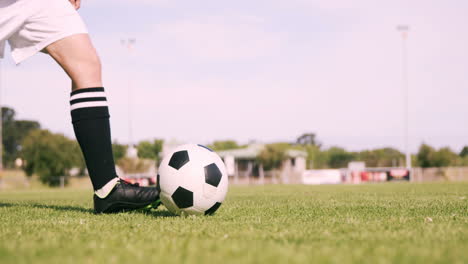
column 90, row 118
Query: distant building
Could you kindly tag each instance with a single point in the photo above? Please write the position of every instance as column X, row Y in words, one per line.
column 243, row 167
column 131, row 152
column 137, row 170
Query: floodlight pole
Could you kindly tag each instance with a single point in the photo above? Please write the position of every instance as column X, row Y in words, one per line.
column 129, row 43
column 1, row 120
column 404, row 29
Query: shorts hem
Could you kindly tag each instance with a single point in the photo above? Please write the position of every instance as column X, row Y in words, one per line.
column 21, row 55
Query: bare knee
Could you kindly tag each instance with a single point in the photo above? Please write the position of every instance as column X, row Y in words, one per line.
column 87, row 66
column 78, row 58
column 92, row 60
column 86, row 72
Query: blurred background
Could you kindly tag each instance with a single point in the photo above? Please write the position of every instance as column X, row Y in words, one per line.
column 297, row 91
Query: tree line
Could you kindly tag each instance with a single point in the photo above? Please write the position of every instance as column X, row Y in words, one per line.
column 50, row 155
column 319, row 157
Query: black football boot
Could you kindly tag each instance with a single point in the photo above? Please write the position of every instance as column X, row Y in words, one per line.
column 126, row 197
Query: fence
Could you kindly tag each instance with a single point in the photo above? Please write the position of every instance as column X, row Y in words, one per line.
column 347, row 176
column 440, row 174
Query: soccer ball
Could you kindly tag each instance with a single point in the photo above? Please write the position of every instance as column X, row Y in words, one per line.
column 193, row 180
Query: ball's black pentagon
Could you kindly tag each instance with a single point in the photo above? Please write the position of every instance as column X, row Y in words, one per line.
column 213, row 209
column 183, row 198
column 179, row 159
column 212, row 175
column 205, row 147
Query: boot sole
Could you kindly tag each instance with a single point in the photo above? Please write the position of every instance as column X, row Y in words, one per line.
column 120, row 207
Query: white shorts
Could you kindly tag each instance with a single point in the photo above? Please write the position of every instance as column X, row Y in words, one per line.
column 31, row 25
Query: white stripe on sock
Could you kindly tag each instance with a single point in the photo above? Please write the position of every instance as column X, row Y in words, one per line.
column 88, row 104
column 88, row 95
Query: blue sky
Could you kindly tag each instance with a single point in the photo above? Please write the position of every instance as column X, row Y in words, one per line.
column 266, row 71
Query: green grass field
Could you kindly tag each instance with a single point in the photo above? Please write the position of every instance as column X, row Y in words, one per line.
column 378, row 223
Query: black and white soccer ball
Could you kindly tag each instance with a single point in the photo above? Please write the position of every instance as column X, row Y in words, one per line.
column 193, row 180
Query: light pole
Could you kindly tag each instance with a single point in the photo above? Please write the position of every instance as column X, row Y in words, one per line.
column 404, row 29
column 1, row 121
column 129, row 43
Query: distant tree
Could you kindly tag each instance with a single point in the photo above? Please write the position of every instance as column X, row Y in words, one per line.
column 384, row 157
column 339, row 157
column 316, row 158
column 444, row 157
column 463, row 161
column 370, row 157
column 8, row 114
column 425, row 156
column 308, row 139
column 224, row 145
column 14, row 131
column 464, row 152
column 118, row 150
column 273, row 155
column 389, row 157
column 50, row 156
column 430, row 157
column 150, row 150
column 134, row 165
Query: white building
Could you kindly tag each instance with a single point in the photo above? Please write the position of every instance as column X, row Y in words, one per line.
column 243, row 167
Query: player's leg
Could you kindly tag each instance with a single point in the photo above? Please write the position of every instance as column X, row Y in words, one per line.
column 54, row 26
column 90, row 117
column 78, row 58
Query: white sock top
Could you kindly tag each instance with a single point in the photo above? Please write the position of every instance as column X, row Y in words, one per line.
column 106, row 189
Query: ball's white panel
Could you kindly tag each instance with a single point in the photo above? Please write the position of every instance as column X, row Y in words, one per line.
column 212, row 194
column 204, row 203
column 192, row 211
column 191, row 175
column 209, row 191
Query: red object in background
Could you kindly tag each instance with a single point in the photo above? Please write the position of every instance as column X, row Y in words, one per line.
column 142, row 181
column 365, row 176
column 152, row 181
column 399, row 174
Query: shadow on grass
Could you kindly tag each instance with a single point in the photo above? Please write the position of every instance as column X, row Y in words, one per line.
column 5, row 205
column 66, row 208
column 69, row 208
